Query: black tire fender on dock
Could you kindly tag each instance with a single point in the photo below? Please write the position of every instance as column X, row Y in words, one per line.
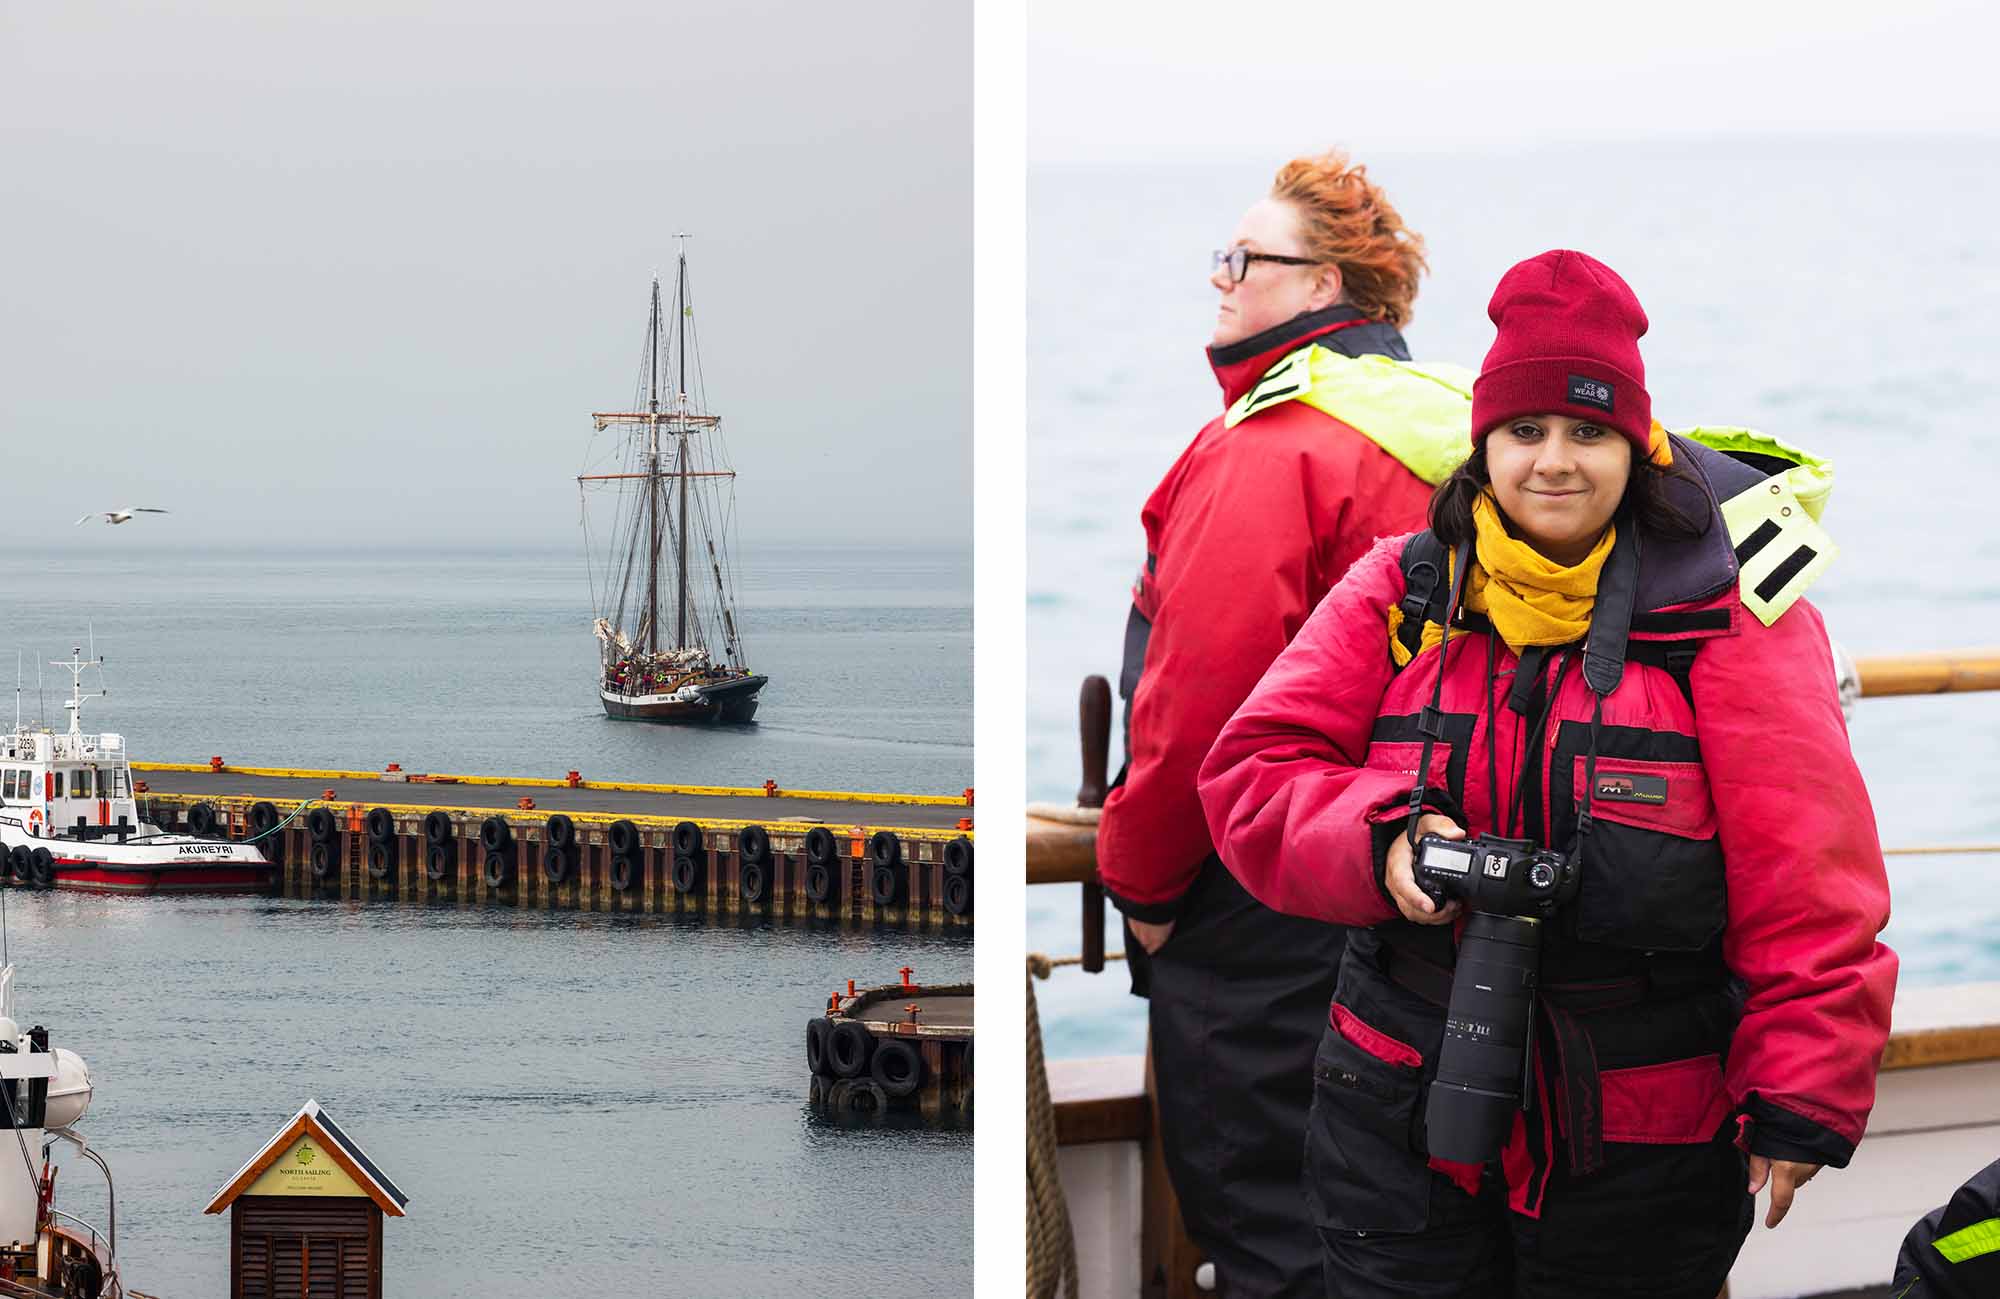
column 499, row 868
column 865, row 1096
column 687, row 873
column 438, row 861
column 438, row 827
column 889, row 886
column 560, row 831
column 264, row 818
column 381, row 824
column 381, row 857
column 201, row 819
column 816, row 1057
column 623, row 838
column 819, row 883
column 555, row 862
column 624, row 873
column 17, row 862
column 885, row 849
column 848, row 1048
column 753, row 881
column 321, row 825
column 753, row 844
column 958, row 856
column 958, row 895
column 821, row 846
column 320, row 859
column 495, row 834
column 688, row 841
column 897, row 1067
column 42, row 868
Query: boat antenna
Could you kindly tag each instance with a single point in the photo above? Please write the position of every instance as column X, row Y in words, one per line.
column 17, row 689
column 41, row 697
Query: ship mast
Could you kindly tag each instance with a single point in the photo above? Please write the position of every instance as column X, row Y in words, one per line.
column 653, row 474
column 681, row 551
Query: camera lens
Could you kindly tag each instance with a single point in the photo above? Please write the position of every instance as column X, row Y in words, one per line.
column 1478, row 1087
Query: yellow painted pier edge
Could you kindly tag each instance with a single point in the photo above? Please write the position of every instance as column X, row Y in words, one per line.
column 540, row 782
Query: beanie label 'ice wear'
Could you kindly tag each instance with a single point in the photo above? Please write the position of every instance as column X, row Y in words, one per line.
column 1590, row 392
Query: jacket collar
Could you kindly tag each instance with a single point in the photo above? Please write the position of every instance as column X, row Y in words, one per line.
column 1239, row 365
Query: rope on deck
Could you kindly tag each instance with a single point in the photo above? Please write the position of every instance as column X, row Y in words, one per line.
column 1051, row 1240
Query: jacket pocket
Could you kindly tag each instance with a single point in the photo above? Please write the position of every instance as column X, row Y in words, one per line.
column 1362, row 1170
column 1652, row 875
column 1679, row 1103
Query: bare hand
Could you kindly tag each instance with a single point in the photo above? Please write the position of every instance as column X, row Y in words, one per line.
column 1786, row 1176
column 1412, row 901
column 1151, row 937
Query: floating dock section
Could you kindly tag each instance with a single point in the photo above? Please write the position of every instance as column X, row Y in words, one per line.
column 904, row 860
column 903, row 1046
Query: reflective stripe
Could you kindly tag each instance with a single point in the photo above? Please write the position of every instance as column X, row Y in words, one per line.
column 1780, row 547
column 1970, row 1242
column 1418, row 412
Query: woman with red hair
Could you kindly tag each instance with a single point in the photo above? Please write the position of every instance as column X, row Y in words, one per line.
column 1256, row 521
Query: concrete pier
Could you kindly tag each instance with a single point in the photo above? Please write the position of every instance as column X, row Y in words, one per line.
column 631, row 849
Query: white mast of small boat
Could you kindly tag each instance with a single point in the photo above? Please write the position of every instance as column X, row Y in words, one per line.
column 76, row 667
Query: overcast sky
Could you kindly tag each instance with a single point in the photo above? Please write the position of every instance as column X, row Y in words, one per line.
column 1113, row 81
column 313, row 273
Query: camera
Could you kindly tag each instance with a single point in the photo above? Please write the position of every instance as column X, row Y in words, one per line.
column 1489, row 1023
column 1506, row 877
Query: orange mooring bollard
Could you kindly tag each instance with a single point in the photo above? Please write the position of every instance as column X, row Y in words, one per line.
column 914, row 1009
column 770, row 789
column 215, row 764
column 968, row 796
column 906, row 972
column 394, row 766
column 326, row 794
column 138, row 786
column 526, row 804
column 573, row 780
column 965, row 823
column 850, row 987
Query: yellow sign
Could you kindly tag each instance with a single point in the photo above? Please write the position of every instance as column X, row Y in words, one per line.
column 305, row 1169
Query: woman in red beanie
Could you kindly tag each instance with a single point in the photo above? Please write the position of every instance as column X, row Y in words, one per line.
column 1707, row 999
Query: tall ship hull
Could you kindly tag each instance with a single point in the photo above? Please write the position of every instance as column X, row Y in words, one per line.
column 669, row 646
column 734, row 700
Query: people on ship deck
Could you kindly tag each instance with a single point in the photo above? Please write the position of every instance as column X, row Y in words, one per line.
column 1713, row 1001
column 1258, row 518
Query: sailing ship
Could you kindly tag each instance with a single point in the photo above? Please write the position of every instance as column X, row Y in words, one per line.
column 673, row 520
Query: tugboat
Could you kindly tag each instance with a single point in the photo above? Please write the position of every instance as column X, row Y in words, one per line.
column 675, row 495
column 69, row 819
column 44, row 1251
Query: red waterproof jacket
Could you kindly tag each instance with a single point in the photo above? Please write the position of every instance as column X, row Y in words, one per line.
column 1733, row 846
column 1245, row 534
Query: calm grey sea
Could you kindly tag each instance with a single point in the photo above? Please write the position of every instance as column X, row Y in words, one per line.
column 484, row 662
column 575, row 1104
column 1844, row 294
column 618, row 1102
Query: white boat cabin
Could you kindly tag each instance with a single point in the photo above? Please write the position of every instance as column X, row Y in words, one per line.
column 52, row 784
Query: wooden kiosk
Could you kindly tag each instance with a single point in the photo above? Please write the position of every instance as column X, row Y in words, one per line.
column 306, row 1215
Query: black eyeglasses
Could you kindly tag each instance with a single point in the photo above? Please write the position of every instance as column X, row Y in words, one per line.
column 1238, row 261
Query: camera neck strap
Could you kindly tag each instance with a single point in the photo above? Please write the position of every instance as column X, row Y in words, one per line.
column 1604, row 656
column 1430, row 721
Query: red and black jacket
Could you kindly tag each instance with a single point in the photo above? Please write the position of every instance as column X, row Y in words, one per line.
column 1720, row 959
column 1245, row 534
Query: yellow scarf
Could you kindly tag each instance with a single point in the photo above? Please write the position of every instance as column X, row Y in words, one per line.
column 1530, row 599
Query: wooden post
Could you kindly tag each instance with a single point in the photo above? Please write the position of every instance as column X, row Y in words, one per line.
column 1094, row 728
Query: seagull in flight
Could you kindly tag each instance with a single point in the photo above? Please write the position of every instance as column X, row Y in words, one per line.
column 117, row 516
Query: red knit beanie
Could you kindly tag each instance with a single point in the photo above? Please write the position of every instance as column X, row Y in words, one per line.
column 1568, row 345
